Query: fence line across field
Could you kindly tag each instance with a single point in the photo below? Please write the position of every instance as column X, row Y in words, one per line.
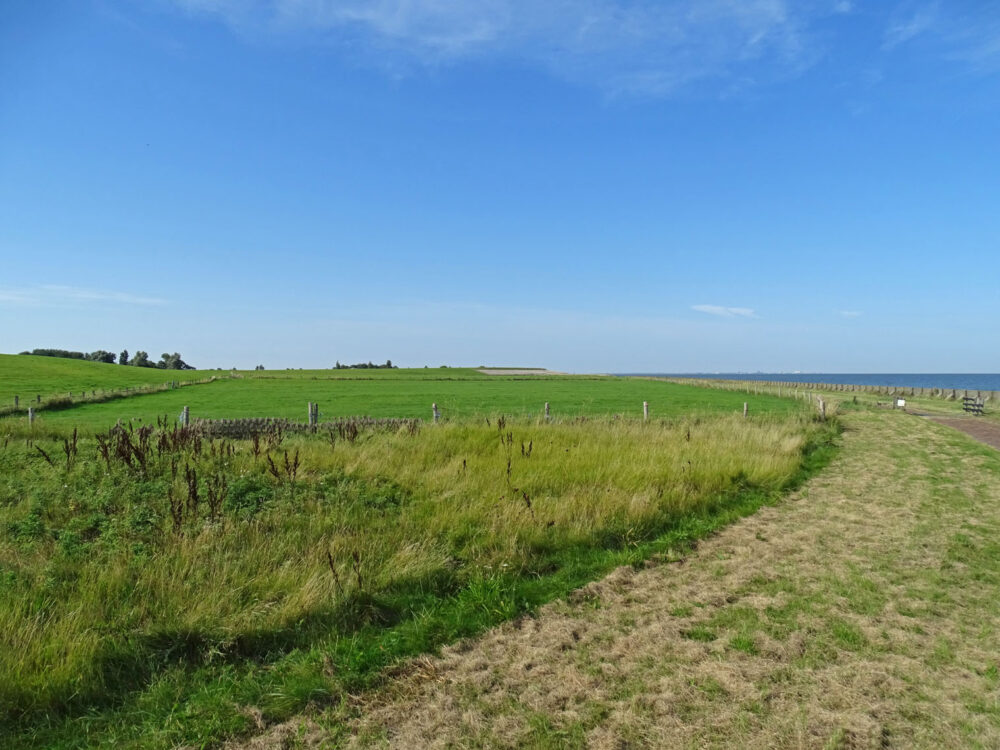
column 98, row 395
column 777, row 387
column 312, row 418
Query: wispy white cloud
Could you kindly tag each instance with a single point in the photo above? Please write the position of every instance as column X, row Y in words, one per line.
column 725, row 312
column 51, row 295
column 966, row 33
column 618, row 45
column 850, row 314
column 909, row 23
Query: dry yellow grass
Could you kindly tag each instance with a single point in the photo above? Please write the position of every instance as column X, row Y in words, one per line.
column 860, row 613
column 117, row 580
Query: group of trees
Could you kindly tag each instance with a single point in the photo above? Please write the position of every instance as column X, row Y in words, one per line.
column 363, row 366
column 99, row 356
column 139, row 359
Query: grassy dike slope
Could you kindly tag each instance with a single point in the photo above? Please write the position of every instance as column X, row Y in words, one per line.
column 862, row 612
column 29, row 376
column 177, row 591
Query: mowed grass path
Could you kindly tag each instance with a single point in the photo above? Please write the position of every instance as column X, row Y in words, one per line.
column 863, row 612
column 412, row 397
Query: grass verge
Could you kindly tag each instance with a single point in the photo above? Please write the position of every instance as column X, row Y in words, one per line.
column 151, row 608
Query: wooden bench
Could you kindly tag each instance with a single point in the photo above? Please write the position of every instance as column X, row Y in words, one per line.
column 972, row 405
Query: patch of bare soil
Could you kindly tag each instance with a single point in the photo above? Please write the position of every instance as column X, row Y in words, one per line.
column 977, row 427
column 861, row 612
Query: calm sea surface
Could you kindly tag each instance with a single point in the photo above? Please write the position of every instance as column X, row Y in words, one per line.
column 971, row 381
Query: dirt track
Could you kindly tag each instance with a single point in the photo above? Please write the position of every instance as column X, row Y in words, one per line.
column 861, row 612
column 977, row 427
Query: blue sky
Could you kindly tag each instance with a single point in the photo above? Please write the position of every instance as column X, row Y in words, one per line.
column 601, row 185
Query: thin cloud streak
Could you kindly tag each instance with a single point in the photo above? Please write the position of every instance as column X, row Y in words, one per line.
column 967, row 34
column 621, row 46
column 53, row 295
column 725, row 312
column 915, row 23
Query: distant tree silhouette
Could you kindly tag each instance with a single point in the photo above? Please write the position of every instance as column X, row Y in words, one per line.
column 141, row 359
column 100, row 355
column 172, row 362
column 369, row 365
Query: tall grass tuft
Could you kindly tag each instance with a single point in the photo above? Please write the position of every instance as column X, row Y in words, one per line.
column 147, row 550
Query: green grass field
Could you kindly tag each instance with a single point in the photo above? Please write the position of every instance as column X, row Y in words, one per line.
column 147, row 606
column 411, row 395
column 28, row 376
column 430, row 373
column 160, row 592
column 862, row 613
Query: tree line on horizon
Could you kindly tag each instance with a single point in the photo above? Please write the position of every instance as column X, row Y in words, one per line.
column 139, row 359
column 366, row 366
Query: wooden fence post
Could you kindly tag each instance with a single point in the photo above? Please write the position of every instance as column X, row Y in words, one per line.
column 645, row 410
column 822, row 409
column 309, row 413
column 16, row 399
column 185, row 416
column 744, row 409
column 434, row 410
column 31, row 415
column 546, row 410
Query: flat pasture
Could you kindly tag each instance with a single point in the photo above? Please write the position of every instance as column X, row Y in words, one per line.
column 29, row 376
column 163, row 590
column 412, row 395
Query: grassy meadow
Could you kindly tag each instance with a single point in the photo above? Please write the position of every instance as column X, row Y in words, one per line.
column 165, row 589
column 411, row 394
column 860, row 613
column 29, row 376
